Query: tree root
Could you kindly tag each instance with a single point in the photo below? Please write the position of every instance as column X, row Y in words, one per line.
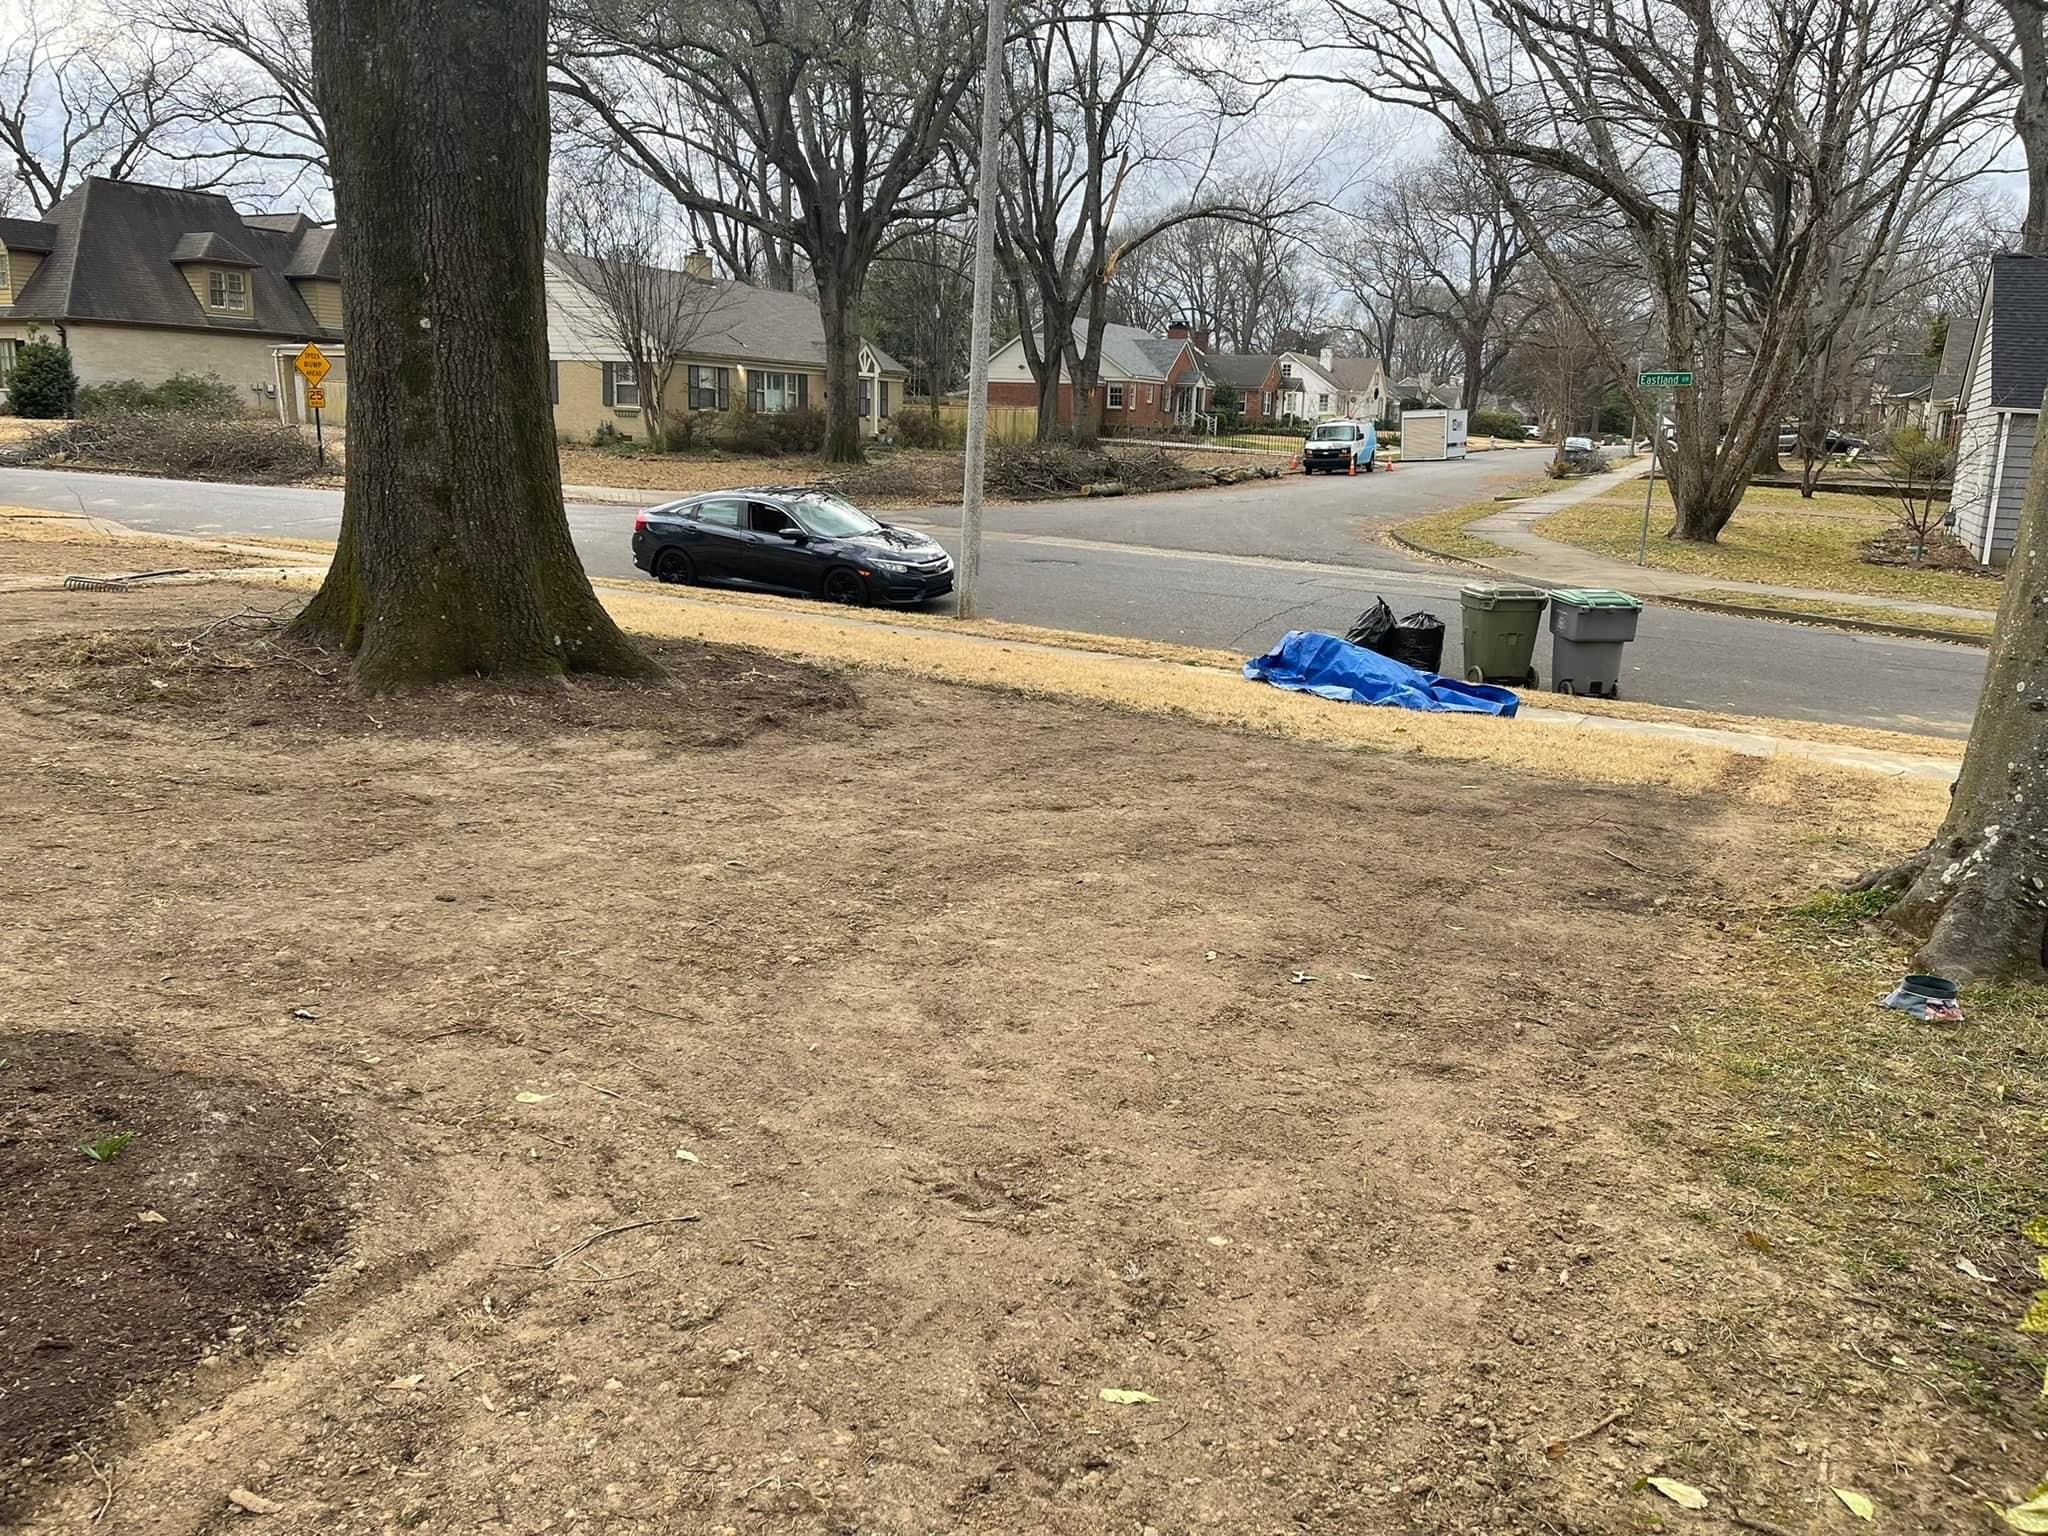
column 1893, row 877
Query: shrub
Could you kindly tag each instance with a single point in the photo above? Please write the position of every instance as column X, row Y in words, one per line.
column 44, row 385
column 1496, row 424
column 183, row 446
column 925, row 429
column 744, row 430
column 608, row 435
column 193, row 393
column 1226, row 402
column 1580, row 461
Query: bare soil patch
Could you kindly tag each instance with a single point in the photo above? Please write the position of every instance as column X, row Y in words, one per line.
column 797, row 1124
column 194, row 1237
column 62, row 546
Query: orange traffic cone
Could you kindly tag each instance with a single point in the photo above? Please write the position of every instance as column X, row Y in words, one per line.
column 1353, row 469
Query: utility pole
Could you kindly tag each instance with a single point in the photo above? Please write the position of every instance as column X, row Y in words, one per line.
column 976, row 457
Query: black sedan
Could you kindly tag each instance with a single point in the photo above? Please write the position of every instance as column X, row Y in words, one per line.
column 789, row 539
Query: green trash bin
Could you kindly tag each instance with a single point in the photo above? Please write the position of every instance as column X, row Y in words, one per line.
column 1501, row 624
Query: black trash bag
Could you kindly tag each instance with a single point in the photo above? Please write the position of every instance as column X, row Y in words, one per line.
column 1374, row 629
column 1418, row 642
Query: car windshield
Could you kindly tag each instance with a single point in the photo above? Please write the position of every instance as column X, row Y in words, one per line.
column 1336, row 433
column 831, row 518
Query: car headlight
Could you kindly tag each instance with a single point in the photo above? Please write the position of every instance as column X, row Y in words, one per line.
column 896, row 566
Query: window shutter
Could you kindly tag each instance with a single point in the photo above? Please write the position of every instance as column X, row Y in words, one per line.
column 724, row 388
column 610, row 389
column 803, row 390
column 885, row 397
column 554, row 382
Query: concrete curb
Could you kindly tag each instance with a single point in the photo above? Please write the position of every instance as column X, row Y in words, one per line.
column 1709, row 605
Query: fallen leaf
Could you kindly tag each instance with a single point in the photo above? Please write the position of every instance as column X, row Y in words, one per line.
column 685, row 1155
column 1300, row 978
column 304, row 1013
column 1858, row 1504
column 2031, row 1516
column 530, row 1097
column 1219, row 1242
column 1757, row 1241
column 152, row 1216
column 1125, row 1395
column 1971, row 1270
column 1362, row 976
column 254, row 1503
column 404, row 1383
column 1684, row 1495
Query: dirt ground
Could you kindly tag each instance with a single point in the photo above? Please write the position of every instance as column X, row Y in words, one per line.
column 790, row 1100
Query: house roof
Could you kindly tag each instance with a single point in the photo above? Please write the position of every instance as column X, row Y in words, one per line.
column 2018, row 306
column 1240, row 370
column 741, row 322
column 316, row 254
column 116, row 252
column 1162, row 352
column 212, row 247
column 28, row 235
column 1947, row 382
column 1354, row 374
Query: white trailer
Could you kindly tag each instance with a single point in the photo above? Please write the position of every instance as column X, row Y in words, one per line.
column 1432, row 435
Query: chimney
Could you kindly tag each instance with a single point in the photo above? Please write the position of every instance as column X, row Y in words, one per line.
column 698, row 264
column 1180, row 330
column 1328, row 358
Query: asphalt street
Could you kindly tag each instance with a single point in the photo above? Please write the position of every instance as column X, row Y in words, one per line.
column 1231, row 568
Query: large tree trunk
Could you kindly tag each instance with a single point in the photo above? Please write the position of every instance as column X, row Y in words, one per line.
column 837, row 301
column 454, row 557
column 2030, row 117
column 1977, row 896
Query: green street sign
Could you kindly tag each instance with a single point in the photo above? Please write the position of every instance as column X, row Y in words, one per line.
column 1664, row 381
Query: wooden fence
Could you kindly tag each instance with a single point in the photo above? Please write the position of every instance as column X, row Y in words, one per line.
column 1006, row 423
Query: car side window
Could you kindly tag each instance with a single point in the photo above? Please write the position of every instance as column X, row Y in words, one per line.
column 718, row 514
column 763, row 518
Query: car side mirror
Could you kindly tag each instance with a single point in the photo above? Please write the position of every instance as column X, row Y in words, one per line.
column 794, row 535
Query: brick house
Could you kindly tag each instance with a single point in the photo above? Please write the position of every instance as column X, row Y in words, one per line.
column 1254, row 376
column 1147, row 380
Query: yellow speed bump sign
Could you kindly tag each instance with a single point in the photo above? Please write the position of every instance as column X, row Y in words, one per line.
column 312, row 364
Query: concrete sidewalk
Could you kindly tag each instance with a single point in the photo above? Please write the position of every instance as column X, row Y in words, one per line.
column 1546, row 563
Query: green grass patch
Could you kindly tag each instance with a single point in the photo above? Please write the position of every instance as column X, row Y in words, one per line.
column 1817, row 607
column 1444, row 532
column 1776, row 537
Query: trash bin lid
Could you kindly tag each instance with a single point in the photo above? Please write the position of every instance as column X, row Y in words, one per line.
column 1492, row 594
column 1595, row 597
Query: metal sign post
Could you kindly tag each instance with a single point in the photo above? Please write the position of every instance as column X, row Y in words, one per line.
column 1667, row 380
column 313, row 366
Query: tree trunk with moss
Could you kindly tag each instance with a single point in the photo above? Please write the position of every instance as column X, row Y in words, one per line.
column 1977, row 897
column 455, row 557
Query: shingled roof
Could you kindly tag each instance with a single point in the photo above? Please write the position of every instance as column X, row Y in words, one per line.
column 2018, row 302
column 28, row 235
column 118, row 246
column 1240, row 370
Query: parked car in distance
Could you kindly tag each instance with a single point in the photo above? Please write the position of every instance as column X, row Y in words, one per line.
column 796, row 539
column 1341, row 447
column 1578, row 445
column 1835, row 441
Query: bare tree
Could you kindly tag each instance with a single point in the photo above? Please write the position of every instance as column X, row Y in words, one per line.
column 2017, row 49
column 277, row 118
column 817, row 127
column 922, row 297
column 617, row 235
column 454, row 557
column 81, row 96
column 1462, row 248
column 1735, row 143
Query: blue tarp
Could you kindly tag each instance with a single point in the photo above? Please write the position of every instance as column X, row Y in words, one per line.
column 1307, row 662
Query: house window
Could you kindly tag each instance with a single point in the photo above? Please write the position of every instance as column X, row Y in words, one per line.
column 227, row 290
column 1286, row 369
column 1116, row 397
column 777, row 391
column 621, row 386
column 710, row 388
column 7, row 347
column 1323, row 404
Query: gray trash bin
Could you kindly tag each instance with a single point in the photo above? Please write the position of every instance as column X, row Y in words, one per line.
column 1588, row 628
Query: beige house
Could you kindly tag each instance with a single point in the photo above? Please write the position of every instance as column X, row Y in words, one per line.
column 142, row 282
column 751, row 345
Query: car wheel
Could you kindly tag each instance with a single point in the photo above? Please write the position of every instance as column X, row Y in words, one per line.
column 674, row 567
column 843, row 585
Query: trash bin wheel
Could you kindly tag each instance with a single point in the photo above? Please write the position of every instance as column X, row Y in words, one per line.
column 1564, row 686
column 1531, row 680
column 1474, row 675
